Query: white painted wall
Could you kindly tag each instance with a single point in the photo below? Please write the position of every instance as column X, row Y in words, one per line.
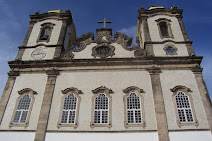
column 101, row 136
column 190, row 136
column 17, row 136
column 120, row 52
column 154, row 31
column 36, row 82
column 115, row 80
column 36, row 31
column 28, row 51
column 159, row 49
column 172, row 78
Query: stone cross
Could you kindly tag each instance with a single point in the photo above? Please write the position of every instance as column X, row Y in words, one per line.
column 104, row 22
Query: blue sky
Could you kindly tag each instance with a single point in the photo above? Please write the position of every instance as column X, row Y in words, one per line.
column 123, row 13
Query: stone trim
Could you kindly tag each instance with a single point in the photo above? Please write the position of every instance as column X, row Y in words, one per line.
column 127, row 92
column 46, row 105
column 146, row 30
column 160, row 113
column 107, row 92
column 31, row 25
column 43, row 26
column 58, row 51
column 66, row 92
column 190, row 50
column 168, row 24
column 20, row 54
column 7, row 92
column 173, row 47
column 203, row 94
column 168, row 40
column 22, row 93
column 186, row 91
column 182, row 27
column 187, row 60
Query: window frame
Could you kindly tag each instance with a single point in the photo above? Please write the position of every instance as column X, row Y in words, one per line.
column 66, row 92
column 138, row 91
column 97, row 92
column 168, row 24
column 173, row 47
column 22, row 93
column 43, row 26
column 186, row 91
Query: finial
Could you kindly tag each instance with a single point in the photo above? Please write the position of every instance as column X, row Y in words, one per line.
column 104, row 22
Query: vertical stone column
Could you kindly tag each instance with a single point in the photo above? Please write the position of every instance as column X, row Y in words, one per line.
column 162, row 125
column 46, row 106
column 60, row 43
column 146, row 30
column 203, row 94
column 7, row 92
column 182, row 27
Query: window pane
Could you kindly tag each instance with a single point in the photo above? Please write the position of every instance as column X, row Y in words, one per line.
column 130, row 117
column 17, row 116
column 164, row 29
column 64, row 117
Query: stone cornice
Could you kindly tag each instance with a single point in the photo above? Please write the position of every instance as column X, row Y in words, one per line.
column 107, row 61
column 174, row 11
column 165, row 41
column 58, row 16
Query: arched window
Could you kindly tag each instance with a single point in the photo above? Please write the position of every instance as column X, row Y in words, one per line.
column 164, row 27
column 23, row 108
column 183, row 107
column 45, row 32
column 101, row 109
column 134, row 107
column 183, row 104
column 69, row 108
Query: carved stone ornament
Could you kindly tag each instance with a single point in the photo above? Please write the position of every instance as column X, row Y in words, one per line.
column 132, row 88
column 139, row 52
column 39, row 53
column 102, row 89
column 180, row 87
column 83, row 41
column 68, row 55
column 104, row 36
column 72, row 89
column 103, row 50
column 123, row 40
column 27, row 90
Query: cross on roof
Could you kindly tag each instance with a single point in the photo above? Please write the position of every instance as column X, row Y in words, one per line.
column 104, row 22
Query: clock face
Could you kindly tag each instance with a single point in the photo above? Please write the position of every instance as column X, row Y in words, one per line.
column 39, row 53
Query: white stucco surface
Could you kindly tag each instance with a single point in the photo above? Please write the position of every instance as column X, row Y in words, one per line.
column 172, row 78
column 36, row 31
column 101, row 136
column 17, row 136
column 120, row 52
column 191, row 136
column 159, row 49
column 36, row 82
column 115, row 80
column 154, row 30
column 28, row 53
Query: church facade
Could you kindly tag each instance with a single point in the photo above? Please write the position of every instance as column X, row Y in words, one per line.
column 64, row 87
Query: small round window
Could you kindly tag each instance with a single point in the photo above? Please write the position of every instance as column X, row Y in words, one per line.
column 170, row 50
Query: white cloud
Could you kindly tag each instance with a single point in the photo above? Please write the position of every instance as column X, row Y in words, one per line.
column 130, row 31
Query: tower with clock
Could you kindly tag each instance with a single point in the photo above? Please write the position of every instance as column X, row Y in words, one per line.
column 64, row 87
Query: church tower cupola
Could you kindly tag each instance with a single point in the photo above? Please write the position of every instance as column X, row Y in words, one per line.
column 47, row 36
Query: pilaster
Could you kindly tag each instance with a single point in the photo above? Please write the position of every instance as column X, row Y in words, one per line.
column 146, row 30
column 32, row 23
column 7, row 92
column 160, row 113
column 46, row 106
column 203, row 94
column 182, row 27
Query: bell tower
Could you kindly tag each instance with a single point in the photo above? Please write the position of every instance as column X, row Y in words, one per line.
column 162, row 33
column 47, row 36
